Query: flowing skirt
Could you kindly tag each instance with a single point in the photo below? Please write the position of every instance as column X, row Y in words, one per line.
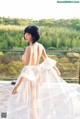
column 43, row 95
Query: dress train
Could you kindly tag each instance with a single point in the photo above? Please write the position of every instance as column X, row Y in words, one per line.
column 44, row 95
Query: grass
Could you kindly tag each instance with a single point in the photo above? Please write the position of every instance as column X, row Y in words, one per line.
column 72, row 80
column 11, row 78
column 11, row 27
column 7, row 78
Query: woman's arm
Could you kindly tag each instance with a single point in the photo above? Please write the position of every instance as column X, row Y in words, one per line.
column 26, row 56
column 44, row 54
column 57, row 70
column 15, row 89
column 26, row 60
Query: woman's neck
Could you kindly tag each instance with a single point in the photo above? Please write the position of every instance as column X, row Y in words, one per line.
column 31, row 44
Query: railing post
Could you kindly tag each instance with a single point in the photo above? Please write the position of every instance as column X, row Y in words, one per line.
column 79, row 71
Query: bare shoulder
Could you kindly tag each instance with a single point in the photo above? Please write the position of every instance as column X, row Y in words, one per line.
column 44, row 55
column 41, row 45
column 28, row 49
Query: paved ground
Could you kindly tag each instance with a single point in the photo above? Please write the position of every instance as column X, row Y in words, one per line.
column 5, row 89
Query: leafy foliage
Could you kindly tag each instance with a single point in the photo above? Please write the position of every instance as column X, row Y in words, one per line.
column 55, row 34
column 67, row 66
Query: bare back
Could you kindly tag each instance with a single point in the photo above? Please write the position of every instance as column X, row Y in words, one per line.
column 33, row 54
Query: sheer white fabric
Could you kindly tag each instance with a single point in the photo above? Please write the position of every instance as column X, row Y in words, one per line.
column 43, row 95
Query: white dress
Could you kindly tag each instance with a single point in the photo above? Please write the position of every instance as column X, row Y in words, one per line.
column 55, row 99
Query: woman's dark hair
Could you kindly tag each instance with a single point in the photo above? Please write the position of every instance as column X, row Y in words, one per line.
column 34, row 31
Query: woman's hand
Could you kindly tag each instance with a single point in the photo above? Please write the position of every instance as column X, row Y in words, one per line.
column 15, row 90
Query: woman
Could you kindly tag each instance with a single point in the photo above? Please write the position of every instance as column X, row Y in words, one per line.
column 34, row 52
column 40, row 93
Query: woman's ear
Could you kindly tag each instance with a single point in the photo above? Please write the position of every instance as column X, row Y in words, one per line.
column 24, row 36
